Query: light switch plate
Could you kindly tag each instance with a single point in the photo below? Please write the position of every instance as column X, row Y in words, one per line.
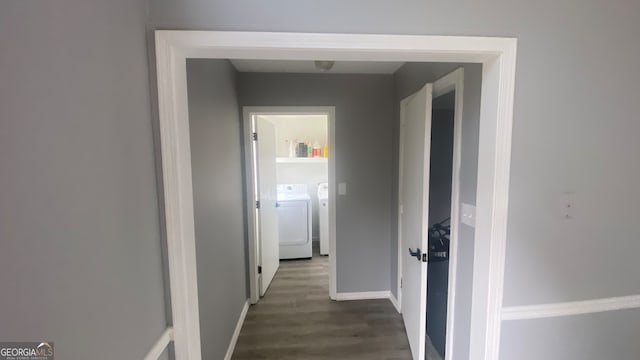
column 342, row 189
column 468, row 214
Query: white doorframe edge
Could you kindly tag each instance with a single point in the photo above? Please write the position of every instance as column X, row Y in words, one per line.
column 453, row 81
column 498, row 56
column 248, row 112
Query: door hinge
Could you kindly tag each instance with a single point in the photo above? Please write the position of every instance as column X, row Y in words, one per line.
column 400, row 283
column 255, row 136
column 259, row 269
column 257, row 204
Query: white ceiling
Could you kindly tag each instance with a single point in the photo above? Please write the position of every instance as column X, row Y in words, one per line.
column 300, row 66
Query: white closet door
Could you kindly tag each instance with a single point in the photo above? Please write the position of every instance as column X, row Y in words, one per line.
column 415, row 125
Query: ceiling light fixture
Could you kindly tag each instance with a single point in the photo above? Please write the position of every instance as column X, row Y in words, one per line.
column 324, row 65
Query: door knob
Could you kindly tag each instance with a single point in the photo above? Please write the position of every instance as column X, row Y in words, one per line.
column 417, row 254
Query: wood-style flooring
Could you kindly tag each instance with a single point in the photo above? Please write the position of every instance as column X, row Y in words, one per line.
column 297, row 320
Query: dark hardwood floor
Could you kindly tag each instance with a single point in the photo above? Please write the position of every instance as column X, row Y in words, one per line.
column 297, row 320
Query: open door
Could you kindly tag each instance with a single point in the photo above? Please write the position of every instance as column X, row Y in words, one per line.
column 415, row 139
column 267, row 203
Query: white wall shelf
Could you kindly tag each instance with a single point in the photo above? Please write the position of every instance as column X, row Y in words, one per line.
column 315, row 160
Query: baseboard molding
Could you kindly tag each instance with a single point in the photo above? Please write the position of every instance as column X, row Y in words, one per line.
column 160, row 344
column 236, row 332
column 570, row 308
column 369, row 295
column 394, row 301
column 366, row 295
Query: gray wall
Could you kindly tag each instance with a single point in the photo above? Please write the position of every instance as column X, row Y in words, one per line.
column 78, row 171
column 609, row 335
column 364, row 121
column 566, row 127
column 216, row 160
column 80, row 257
column 408, row 79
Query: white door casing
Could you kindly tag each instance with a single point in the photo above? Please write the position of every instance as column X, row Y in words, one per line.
column 267, row 195
column 498, row 58
column 249, row 112
column 415, row 127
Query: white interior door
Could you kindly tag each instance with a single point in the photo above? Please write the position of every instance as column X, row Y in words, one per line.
column 267, row 195
column 415, row 130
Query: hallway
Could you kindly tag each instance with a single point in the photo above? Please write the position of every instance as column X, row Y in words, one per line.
column 297, row 320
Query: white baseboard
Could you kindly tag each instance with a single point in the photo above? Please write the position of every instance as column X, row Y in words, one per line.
column 160, row 344
column 366, row 295
column 570, row 308
column 394, row 301
column 236, row 332
column 369, row 295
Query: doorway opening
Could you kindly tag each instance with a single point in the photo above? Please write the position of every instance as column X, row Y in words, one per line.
column 497, row 56
column 290, row 171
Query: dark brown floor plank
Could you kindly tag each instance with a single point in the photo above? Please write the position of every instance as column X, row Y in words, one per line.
column 297, row 320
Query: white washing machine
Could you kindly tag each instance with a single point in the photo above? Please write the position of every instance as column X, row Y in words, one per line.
column 294, row 220
column 323, row 209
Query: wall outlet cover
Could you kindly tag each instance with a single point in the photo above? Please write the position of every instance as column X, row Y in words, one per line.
column 567, row 205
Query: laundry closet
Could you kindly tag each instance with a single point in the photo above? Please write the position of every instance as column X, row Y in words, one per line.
column 302, row 151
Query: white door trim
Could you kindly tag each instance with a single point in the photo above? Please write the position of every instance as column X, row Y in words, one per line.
column 236, row 331
column 160, row 345
column 527, row 312
column 250, row 186
column 366, row 295
column 498, row 56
